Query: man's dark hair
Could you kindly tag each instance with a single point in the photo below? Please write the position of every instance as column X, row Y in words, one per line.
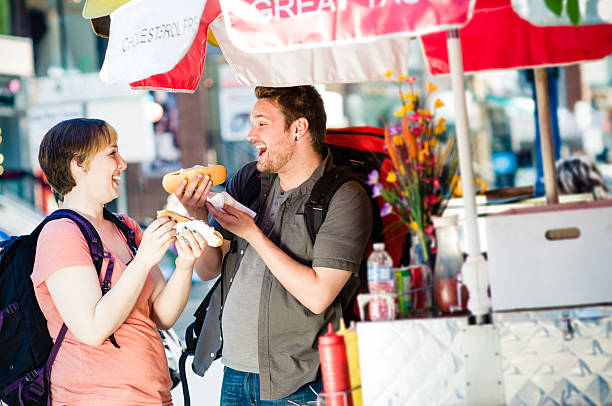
column 300, row 101
column 78, row 138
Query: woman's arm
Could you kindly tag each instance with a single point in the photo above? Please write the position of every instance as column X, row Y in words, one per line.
column 76, row 292
column 168, row 300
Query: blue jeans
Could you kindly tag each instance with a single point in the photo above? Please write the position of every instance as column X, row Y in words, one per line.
column 242, row 388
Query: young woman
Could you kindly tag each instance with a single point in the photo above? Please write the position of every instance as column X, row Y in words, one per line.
column 82, row 163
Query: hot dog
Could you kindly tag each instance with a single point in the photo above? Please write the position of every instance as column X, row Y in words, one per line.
column 213, row 237
column 173, row 215
column 217, row 174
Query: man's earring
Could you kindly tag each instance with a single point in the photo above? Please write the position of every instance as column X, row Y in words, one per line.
column 296, row 138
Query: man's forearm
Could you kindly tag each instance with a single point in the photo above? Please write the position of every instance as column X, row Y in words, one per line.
column 208, row 266
column 315, row 289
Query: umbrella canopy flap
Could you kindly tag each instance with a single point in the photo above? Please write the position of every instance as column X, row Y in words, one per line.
column 261, row 26
column 497, row 38
column 346, row 63
column 145, row 44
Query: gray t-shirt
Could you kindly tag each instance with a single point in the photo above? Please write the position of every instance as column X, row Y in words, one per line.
column 241, row 309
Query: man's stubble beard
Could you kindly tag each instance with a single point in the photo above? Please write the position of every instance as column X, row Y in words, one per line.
column 276, row 161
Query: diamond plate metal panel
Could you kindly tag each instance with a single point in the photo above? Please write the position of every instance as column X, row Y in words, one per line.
column 560, row 357
column 412, row 362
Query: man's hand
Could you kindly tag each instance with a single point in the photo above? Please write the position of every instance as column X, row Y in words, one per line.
column 235, row 221
column 193, row 197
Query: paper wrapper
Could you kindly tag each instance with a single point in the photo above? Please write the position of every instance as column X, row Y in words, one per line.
column 220, row 199
column 212, row 237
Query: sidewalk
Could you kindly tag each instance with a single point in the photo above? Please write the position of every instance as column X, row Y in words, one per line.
column 204, row 391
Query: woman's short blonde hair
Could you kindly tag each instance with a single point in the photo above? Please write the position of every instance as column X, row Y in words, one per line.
column 78, row 138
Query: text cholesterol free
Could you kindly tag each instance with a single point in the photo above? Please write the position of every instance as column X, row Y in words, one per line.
column 159, row 32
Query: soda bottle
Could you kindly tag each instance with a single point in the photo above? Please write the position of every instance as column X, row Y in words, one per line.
column 380, row 281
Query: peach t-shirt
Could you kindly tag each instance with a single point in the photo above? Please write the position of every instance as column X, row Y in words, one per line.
column 135, row 374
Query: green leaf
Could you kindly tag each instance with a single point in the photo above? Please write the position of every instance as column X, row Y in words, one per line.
column 556, row 6
column 573, row 11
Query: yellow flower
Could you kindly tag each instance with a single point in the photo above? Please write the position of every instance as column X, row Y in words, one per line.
column 402, row 78
column 391, row 177
column 399, row 113
column 407, row 97
column 438, row 103
column 441, row 121
column 414, row 226
column 433, row 142
column 424, row 113
column 422, row 155
column 431, row 87
column 439, row 129
column 388, row 73
column 408, row 107
column 398, row 141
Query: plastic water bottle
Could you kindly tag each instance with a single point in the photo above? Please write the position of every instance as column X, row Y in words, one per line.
column 380, row 281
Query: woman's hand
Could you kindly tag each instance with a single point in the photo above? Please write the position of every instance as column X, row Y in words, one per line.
column 193, row 197
column 235, row 221
column 189, row 246
column 156, row 240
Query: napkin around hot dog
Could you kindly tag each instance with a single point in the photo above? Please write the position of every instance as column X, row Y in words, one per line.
column 204, row 229
column 220, row 199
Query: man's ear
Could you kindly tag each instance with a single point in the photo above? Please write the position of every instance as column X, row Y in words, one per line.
column 301, row 126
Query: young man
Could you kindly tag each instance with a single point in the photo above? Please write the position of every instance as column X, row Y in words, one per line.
column 281, row 290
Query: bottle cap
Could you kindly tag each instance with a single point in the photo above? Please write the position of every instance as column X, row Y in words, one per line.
column 330, row 338
column 378, row 246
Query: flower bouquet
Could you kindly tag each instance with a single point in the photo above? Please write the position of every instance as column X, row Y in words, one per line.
column 423, row 161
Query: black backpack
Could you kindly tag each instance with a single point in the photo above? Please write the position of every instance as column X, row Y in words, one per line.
column 356, row 152
column 28, row 351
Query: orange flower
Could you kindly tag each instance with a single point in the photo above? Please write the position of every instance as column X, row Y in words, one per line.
column 409, row 138
column 431, row 87
column 392, row 152
column 438, row 103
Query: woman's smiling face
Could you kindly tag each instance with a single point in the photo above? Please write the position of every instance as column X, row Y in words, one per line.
column 104, row 171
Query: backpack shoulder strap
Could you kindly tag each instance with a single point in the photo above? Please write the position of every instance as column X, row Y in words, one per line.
column 89, row 232
column 321, row 195
column 129, row 234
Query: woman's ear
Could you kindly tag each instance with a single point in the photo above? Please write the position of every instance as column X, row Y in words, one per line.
column 77, row 169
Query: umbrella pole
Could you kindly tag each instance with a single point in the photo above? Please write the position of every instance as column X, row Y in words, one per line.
column 475, row 270
column 546, row 139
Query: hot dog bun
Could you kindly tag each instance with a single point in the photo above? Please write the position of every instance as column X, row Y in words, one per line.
column 173, row 215
column 217, row 174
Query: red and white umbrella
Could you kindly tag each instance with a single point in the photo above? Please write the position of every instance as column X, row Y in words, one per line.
column 322, row 41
